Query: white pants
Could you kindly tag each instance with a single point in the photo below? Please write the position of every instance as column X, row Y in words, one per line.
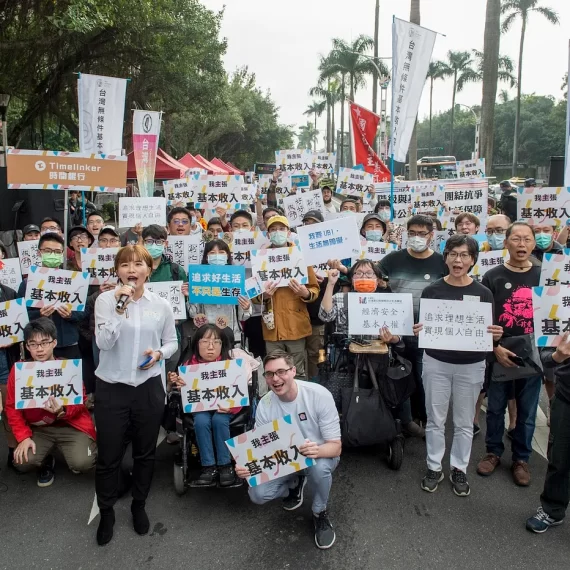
column 442, row 381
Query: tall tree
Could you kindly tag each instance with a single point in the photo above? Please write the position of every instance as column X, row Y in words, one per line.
column 413, row 148
column 316, row 108
column 513, row 9
column 307, row 136
column 458, row 66
column 434, row 72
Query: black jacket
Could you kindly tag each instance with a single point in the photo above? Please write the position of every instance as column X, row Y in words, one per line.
column 562, row 372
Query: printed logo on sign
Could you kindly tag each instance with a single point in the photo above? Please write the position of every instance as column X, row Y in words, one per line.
column 147, row 123
column 427, row 276
column 303, row 417
column 40, row 165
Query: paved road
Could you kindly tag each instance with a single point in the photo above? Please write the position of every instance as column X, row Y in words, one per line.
column 383, row 520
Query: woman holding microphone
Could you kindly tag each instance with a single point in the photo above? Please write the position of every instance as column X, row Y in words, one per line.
column 134, row 330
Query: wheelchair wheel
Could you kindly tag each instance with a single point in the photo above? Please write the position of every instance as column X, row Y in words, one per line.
column 179, row 483
column 396, row 453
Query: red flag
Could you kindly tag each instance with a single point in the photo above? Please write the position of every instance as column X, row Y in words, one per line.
column 364, row 128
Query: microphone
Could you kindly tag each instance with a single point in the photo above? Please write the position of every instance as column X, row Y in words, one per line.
column 124, row 298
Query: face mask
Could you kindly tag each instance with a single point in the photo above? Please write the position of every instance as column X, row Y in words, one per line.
column 365, row 285
column 385, row 215
column 48, row 232
column 417, row 244
column 217, row 259
column 278, row 238
column 543, row 240
column 374, row 235
column 155, row 250
column 52, row 260
column 496, row 241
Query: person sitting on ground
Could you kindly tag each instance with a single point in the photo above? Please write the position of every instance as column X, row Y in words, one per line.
column 39, row 430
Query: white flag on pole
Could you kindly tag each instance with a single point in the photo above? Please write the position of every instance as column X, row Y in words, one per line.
column 101, row 113
column 412, row 48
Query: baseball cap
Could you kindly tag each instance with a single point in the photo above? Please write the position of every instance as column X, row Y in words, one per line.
column 376, row 217
column 314, row 215
column 529, row 183
column 278, row 219
column 30, row 228
column 109, row 230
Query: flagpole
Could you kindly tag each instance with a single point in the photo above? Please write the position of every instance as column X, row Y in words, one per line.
column 567, row 160
column 394, row 59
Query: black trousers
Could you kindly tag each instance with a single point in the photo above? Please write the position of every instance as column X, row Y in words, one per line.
column 67, row 352
column 88, row 364
column 556, row 493
column 254, row 334
column 418, row 399
column 122, row 414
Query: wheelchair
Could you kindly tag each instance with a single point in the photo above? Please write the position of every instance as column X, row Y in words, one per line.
column 243, row 421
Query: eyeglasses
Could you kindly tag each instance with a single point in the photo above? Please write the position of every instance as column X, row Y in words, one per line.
column 181, row 222
column 281, row 372
column 367, row 275
column 498, row 231
column 48, row 250
column 465, row 224
column 464, row 255
column 519, row 240
column 50, row 229
column 154, row 241
column 418, row 234
column 105, row 241
column 82, row 237
column 36, row 345
column 210, row 342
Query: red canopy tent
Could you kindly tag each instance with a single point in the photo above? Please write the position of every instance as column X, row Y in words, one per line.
column 237, row 170
column 164, row 169
column 172, row 160
column 191, row 162
column 216, row 169
column 221, row 164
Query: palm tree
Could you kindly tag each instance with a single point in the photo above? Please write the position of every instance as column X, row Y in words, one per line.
column 434, row 72
column 331, row 95
column 307, row 136
column 458, row 65
column 504, row 96
column 505, row 68
column 413, row 148
column 513, row 9
column 316, row 108
column 490, row 77
column 565, row 85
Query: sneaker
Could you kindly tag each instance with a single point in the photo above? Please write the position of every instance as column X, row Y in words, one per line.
column 431, row 480
column 521, row 473
column 46, row 473
column 295, row 498
column 415, row 430
column 459, row 481
column 324, row 531
column 208, row 477
column 476, row 430
column 541, row 522
column 488, row 464
column 227, row 475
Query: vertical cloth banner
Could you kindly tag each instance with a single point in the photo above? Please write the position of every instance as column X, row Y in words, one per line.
column 364, row 127
column 101, row 113
column 412, row 47
column 146, row 132
column 567, row 169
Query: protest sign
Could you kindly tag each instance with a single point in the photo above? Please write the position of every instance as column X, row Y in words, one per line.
column 466, row 195
column 247, row 194
column 10, row 273
column 300, row 180
column 369, row 312
column 219, row 191
column 58, row 170
column 555, row 269
column 181, row 190
column 470, row 168
column 100, row 264
column 329, row 240
column 243, row 243
column 402, row 203
column 321, row 270
column 270, row 451
column 185, row 250
column 456, row 325
column 13, row 319
column 214, row 385
column 297, row 205
column 252, row 287
column 324, row 162
column 264, row 168
column 296, row 161
column 216, row 284
column 279, row 264
column 282, row 188
column 551, row 314
column 376, row 250
column 353, row 182
column 171, row 292
column 145, row 211
column 37, row 381
column 544, row 206
column 29, row 255
column 488, row 260
column 56, row 287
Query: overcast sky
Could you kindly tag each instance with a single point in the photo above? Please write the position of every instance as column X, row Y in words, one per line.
column 281, row 42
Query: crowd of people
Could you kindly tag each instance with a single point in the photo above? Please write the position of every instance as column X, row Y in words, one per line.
column 128, row 341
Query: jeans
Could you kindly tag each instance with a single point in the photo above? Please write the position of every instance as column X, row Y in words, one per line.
column 527, row 392
column 319, row 480
column 556, row 491
column 460, row 383
column 204, row 424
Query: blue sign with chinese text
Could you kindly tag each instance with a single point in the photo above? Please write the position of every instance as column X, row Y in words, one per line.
column 216, row 284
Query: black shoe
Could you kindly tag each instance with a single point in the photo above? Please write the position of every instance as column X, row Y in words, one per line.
column 208, row 477
column 105, row 528
column 141, row 524
column 324, row 532
column 46, row 473
column 459, row 481
column 431, row 480
column 476, row 430
column 228, row 475
column 295, row 498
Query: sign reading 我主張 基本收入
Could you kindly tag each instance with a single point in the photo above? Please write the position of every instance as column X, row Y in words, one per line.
column 219, row 192
column 216, row 285
column 13, row 319
column 54, row 170
column 243, row 243
column 100, row 264
column 551, row 314
column 294, row 161
column 279, row 265
column 555, row 269
column 544, row 206
column 352, row 182
column 48, row 287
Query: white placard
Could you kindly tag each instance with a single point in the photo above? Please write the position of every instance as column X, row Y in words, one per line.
column 456, row 325
column 329, row 240
column 13, row 319
column 297, row 205
column 181, row 190
column 100, row 264
column 488, row 260
column 358, row 216
column 376, row 250
column 185, row 250
column 352, row 182
column 29, row 255
column 544, row 206
column 324, row 162
column 10, row 273
column 171, row 292
column 244, row 242
column 295, row 161
column 280, row 264
column 555, row 269
column 369, row 312
column 219, row 192
column 470, row 168
column 56, row 287
column 146, row 211
column 551, row 314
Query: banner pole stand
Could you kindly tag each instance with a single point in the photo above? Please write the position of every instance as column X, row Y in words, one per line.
column 65, row 224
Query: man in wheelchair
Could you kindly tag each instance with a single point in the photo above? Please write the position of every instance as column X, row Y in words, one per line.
column 210, row 429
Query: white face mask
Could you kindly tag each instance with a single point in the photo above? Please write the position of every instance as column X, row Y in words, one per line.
column 417, row 244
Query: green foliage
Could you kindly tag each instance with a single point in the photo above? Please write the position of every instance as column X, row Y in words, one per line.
column 108, row 211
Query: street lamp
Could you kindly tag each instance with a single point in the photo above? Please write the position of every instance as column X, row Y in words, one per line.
column 477, row 129
column 4, row 100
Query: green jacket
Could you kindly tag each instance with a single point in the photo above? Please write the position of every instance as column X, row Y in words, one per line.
column 168, row 271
